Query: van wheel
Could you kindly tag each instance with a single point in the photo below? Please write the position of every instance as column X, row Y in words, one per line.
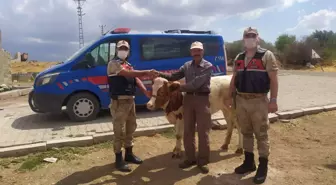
column 82, row 107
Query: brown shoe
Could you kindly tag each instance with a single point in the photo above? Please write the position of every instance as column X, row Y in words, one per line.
column 187, row 164
column 203, row 168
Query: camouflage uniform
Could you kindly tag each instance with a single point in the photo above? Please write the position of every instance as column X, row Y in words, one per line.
column 123, row 113
column 252, row 83
column 122, row 107
column 252, row 112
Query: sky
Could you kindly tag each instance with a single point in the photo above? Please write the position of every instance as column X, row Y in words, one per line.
column 48, row 29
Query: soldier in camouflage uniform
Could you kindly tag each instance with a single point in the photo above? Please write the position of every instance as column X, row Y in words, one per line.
column 123, row 80
column 254, row 75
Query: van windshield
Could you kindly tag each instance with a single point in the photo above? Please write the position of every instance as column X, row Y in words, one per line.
column 79, row 52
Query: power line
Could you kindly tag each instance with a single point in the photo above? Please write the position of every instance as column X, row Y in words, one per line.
column 102, row 28
column 80, row 23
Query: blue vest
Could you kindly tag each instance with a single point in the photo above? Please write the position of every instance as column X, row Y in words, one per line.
column 120, row 85
column 253, row 78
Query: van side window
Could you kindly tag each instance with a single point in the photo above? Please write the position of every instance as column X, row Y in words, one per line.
column 169, row 48
column 164, row 48
column 100, row 54
column 112, row 50
column 211, row 45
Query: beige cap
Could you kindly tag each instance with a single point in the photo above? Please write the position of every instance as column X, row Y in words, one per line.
column 251, row 30
column 123, row 43
column 196, row 44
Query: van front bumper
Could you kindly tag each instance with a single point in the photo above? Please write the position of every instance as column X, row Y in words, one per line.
column 45, row 102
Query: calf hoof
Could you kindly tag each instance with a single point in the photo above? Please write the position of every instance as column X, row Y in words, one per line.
column 239, row 151
column 225, row 147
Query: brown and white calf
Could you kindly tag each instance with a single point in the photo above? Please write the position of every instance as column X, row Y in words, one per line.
column 163, row 96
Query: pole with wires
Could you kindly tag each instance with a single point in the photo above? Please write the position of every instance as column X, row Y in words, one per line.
column 80, row 22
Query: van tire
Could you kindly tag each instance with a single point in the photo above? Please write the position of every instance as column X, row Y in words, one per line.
column 82, row 104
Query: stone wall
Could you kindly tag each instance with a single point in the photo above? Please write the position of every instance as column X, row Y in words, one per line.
column 5, row 74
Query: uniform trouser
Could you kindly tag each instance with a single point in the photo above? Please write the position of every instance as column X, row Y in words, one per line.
column 253, row 119
column 197, row 109
column 124, row 123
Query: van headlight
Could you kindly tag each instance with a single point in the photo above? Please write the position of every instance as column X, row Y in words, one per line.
column 47, row 79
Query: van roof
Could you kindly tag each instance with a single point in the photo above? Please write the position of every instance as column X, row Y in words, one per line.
column 163, row 35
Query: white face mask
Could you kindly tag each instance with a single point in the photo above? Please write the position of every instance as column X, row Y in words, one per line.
column 122, row 54
column 250, row 43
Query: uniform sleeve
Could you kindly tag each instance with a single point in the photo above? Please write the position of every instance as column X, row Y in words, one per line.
column 270, row 61
column 114, row 67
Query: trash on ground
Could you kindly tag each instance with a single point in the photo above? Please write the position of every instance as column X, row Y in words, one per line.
column 50, row 159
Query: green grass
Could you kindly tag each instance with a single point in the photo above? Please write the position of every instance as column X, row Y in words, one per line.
column 34, row 161
column 170, row 133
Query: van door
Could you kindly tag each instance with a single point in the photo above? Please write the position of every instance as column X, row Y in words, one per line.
column 101, row 55
column 164, row 53
column 96, row 62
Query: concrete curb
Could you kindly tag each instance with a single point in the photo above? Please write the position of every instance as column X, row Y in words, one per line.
column 14, row 93
column 15, row 151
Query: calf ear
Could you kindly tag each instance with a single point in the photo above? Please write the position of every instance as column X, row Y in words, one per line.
column 174, row 86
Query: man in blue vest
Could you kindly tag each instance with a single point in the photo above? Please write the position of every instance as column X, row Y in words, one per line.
column 123, row 80
column 254, row 75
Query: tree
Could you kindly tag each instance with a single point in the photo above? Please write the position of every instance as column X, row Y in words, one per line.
column 236, row 47
column 266, row 45
column 232, row 49
column 284, row 41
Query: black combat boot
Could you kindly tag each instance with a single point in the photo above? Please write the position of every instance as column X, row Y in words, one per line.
column 248, row 164
column 261, row 174
column 130, row 157
column 120, row 163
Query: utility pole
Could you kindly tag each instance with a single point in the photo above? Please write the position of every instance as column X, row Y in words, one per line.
column 80, row 23
column 102, row 28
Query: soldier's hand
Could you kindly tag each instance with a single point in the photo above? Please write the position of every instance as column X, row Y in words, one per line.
column 272, row 107
column 228, row 102
column 153, row 73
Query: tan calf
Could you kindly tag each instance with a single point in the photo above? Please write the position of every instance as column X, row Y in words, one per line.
column 172, row 104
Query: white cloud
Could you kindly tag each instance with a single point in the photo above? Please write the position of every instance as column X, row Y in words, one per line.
column 301, row 11
column 289, row 3
column 41, row 26
column 256, row 13
column 320, row 20
column 253, row 14
column 131, row 8
column 2, row 16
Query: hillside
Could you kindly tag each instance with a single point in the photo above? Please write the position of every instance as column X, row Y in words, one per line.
column 30, row 67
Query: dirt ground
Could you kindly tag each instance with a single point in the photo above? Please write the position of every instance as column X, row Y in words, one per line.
column 13, row 101
column 302, row 152
column 30, row 67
